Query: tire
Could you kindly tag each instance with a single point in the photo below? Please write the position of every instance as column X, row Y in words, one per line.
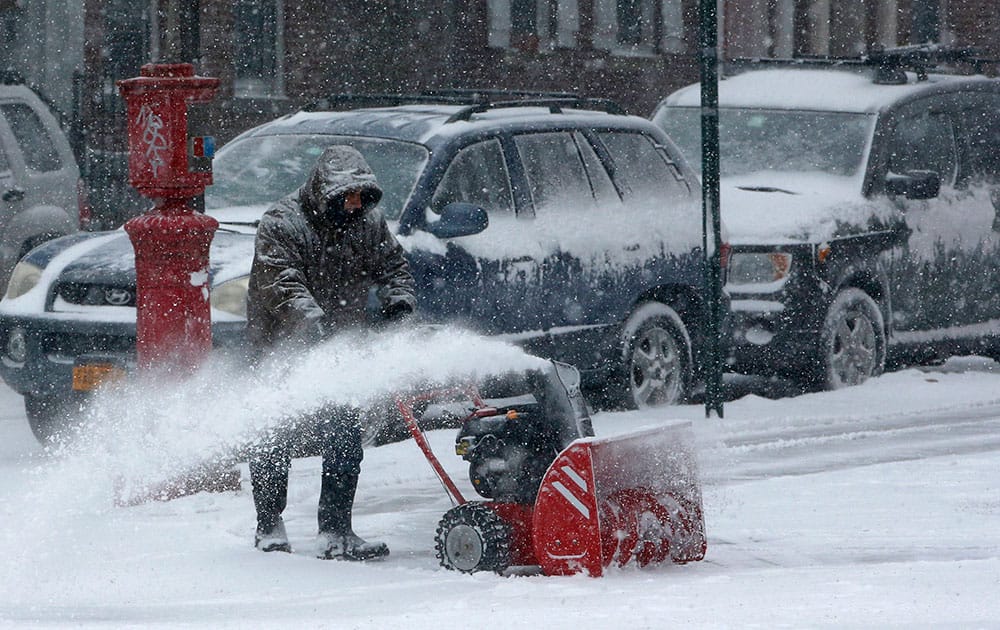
column 471, row 537
column 49, row 417
column 852, row 342
column 655, row 360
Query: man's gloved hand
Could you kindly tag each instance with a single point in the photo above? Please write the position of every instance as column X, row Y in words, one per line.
column 396, row 312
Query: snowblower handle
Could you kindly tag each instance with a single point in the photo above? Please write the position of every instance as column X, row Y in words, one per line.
column 405, row 406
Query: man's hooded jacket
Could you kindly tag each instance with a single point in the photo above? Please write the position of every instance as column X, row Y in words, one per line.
column 312, row 268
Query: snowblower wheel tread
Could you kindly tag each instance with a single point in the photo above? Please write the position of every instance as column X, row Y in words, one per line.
column 472, row 537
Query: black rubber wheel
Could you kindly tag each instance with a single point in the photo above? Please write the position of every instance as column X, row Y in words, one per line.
column 852, row 342
column 49, row 417
column 471, row 537
column 655, row 368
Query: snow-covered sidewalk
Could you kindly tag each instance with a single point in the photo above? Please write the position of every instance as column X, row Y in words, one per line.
column 876, row 506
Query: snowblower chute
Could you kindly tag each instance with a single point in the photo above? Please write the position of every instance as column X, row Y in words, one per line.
column 561, row 499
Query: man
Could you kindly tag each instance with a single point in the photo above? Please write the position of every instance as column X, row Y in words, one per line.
column 317, row 254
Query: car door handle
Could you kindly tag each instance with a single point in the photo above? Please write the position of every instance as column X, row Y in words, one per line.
column 524, row 267
column 13, row 194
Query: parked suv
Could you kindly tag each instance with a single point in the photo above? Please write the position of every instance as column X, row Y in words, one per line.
column 39, row 180
column 560, row 224
column 863, row 207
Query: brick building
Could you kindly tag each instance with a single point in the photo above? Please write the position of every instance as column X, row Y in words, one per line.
column 274, row 56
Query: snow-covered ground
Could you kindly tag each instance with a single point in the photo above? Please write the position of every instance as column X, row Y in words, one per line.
column 876, row 506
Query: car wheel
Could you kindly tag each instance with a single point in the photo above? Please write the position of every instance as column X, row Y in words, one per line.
column 655, row 367
column 852, row 342
column 48, row 416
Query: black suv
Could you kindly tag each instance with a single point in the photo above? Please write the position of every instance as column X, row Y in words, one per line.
column 560, row 224
column 862, row 201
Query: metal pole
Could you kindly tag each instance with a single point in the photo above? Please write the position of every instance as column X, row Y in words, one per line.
column 710, row 205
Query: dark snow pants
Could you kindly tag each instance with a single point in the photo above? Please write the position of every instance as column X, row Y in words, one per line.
column 335, row 433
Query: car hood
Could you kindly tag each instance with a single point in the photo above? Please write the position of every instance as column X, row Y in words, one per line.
column 107, row 259
column 789, row 208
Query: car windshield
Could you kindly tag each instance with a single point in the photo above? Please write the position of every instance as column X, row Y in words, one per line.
column 261, row 169
column 755, row 140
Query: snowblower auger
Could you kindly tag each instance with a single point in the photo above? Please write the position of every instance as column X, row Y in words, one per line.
column 559, row 498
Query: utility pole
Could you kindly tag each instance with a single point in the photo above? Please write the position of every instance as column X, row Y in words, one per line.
column 709, row 57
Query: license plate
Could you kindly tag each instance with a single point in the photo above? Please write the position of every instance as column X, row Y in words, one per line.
column 90, row 376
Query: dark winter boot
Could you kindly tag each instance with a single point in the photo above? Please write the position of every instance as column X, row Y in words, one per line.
column 272, row 538
column 337, row 539
column 269, row 476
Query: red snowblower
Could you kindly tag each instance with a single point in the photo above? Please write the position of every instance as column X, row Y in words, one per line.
column 558, row 497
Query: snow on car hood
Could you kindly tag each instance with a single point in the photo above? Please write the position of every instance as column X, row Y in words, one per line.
column 108, row 257
column 787, row 208
column 239, row 218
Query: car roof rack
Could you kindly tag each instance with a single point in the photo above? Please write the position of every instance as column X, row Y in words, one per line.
column 555, row 106
column 476, row 101
column 890, row 64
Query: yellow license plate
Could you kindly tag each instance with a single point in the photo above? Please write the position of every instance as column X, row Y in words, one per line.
column 90, row 376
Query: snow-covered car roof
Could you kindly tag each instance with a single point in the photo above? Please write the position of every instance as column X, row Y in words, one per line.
column 829, row 89
column 420, row 123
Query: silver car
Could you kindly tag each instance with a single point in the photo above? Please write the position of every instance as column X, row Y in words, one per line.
column 40, row 190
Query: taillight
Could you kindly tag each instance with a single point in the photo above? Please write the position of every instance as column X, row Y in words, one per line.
column 724, row 251
column 85, row 212
column 758, row 267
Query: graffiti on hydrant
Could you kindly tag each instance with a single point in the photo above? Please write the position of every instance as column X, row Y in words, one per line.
column 151, row 125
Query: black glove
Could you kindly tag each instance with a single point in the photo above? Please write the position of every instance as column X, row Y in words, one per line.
column 396, row 312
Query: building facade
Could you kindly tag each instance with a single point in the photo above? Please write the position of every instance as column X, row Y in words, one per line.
column 275, row 56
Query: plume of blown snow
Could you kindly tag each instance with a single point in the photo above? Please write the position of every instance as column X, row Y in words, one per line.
column 152, row 430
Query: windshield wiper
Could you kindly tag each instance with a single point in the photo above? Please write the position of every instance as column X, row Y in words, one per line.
column 769, row 189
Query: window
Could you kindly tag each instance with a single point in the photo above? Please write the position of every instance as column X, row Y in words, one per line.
column 478, row 175
column 980, row 124
column 924, row 141
column 258, row 47
column 557, row 178
column 126, row 39
column 36, row 144
column 533, row 25
column 639, row 26
column 641, row 170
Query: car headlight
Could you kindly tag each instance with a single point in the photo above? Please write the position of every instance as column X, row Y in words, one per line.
column 17, row 345
column 758, row 268
column 231, row 296
column 23, row 279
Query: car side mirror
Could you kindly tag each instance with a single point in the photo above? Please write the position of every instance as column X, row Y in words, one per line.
column 459, row 219
column 914, row 184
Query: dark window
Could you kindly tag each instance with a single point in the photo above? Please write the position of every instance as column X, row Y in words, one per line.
column 600, row 181
column 36, row 145
column 126, row 38
column 629, row 13
column 523, row 17
column 255, row 47
column 477, row 175
column 555, row 172
column 980, row 122
column 641, row 170
column 924, row 141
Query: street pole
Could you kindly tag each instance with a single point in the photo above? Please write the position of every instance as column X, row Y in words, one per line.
column 710, row 205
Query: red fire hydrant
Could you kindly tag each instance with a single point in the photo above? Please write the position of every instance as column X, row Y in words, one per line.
column 171, row 242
